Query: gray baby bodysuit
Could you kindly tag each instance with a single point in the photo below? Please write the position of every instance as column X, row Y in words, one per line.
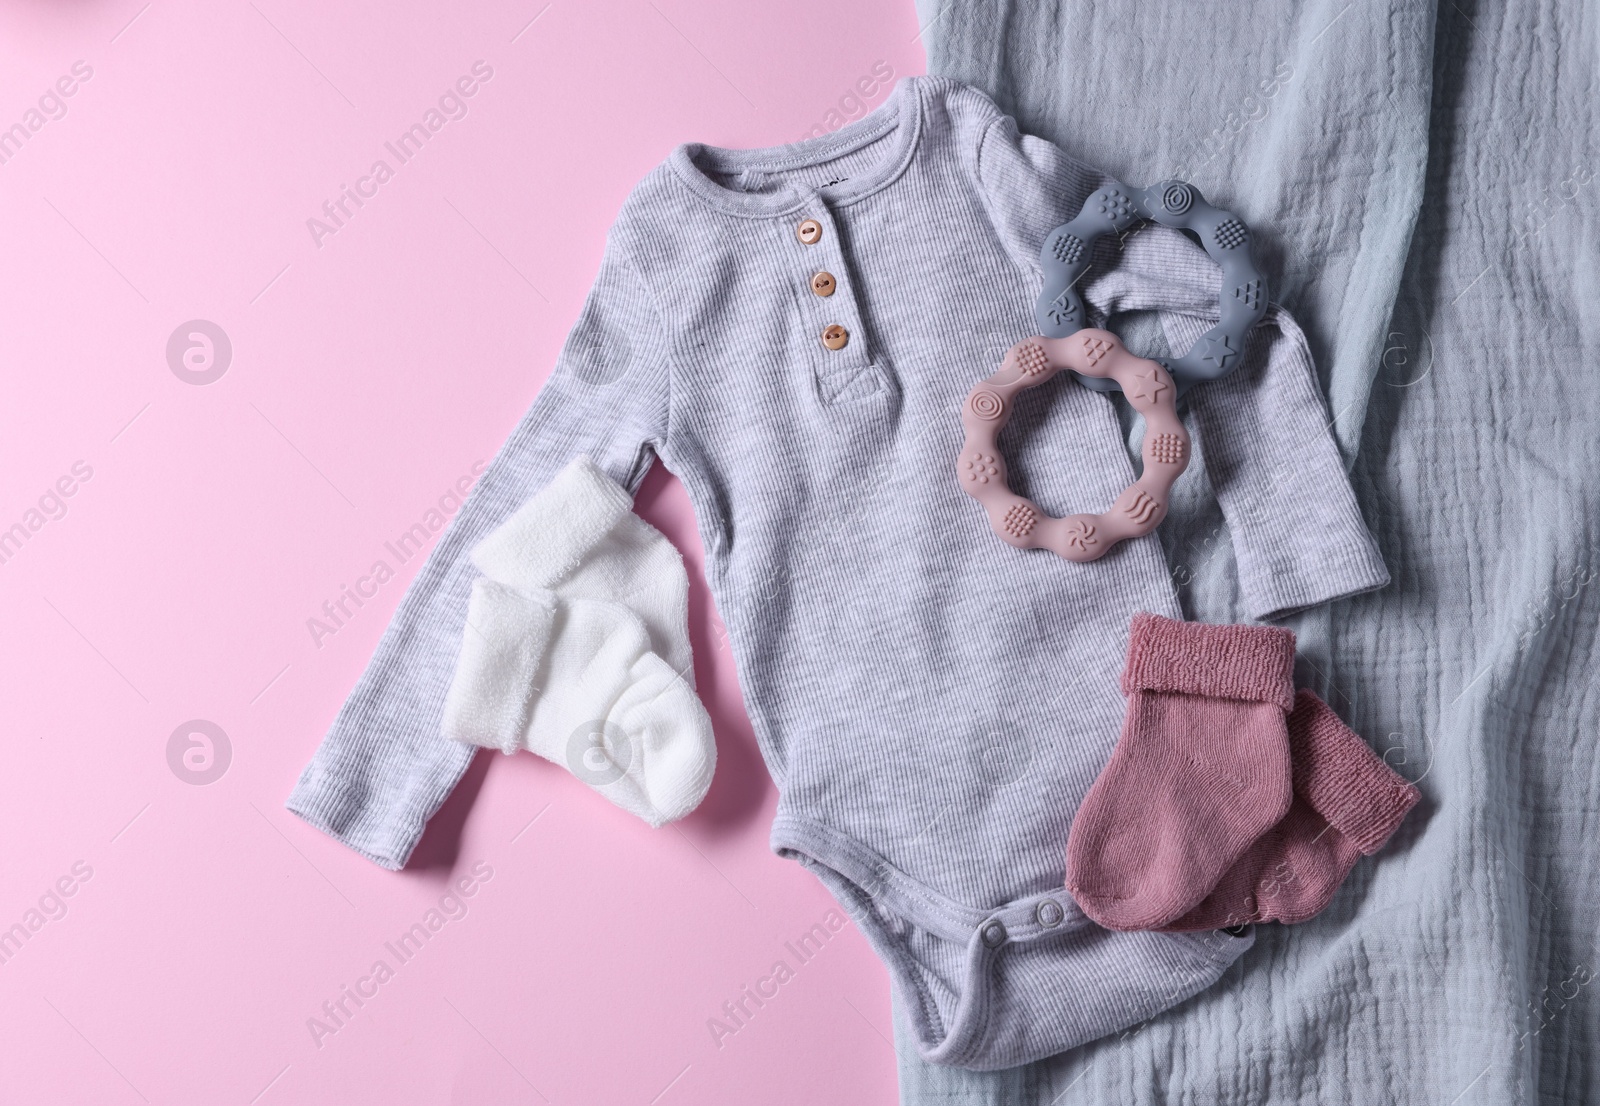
column 932, row 703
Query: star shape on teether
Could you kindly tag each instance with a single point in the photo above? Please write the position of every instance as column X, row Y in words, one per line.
column 1218, row 350
column 1150, row 385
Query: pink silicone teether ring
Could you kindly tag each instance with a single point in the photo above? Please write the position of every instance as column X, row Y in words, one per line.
column 981, row 470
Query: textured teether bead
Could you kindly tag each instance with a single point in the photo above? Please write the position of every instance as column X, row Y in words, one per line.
column 1249, row 293
column 1068, row 248
column 1148, row 386
column 1019, row 520
column 1166, row 448
column 1031, row 359
column 1230, row 234
column 1141, row 506
column 1080, row 536
column 986, row 403
column 1114, row 205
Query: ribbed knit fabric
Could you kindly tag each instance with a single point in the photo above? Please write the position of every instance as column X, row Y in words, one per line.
column 1200, row 772
column 1347, row 803
column 932, row 704
column 1251, row 664
column 1342, row 779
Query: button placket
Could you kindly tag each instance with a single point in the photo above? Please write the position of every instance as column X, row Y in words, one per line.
column 829, row 305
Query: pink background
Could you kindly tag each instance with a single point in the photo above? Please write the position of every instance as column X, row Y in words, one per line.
column 368, row 374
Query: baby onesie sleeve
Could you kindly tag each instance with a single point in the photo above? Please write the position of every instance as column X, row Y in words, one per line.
column 1266, row 439
column 383, row 768
column 1263, row 432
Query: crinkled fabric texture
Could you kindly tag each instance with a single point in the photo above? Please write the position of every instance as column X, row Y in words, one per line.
column 1422, row 183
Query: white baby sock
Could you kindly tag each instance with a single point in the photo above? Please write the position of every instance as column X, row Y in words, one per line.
column 577, row 647
column 580, row 537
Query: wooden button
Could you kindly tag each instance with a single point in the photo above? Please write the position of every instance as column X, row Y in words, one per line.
column 835, row 336
column 823, row 284
column 809, row 232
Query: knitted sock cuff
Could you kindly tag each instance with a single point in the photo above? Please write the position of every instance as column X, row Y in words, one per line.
column 1344, row 780
column 549, row 535
column 503, row 646
column 1249, row 663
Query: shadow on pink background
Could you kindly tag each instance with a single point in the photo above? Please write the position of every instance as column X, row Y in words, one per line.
column 171, row 941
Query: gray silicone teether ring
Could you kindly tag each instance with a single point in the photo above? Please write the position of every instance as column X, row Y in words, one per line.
column 1174, row 203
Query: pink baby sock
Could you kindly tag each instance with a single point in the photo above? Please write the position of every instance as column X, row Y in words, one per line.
column 1347, row 802
column 1200, row 772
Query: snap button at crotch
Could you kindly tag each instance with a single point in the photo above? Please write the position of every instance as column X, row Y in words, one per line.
column 993, row 933
column 1046, row 917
